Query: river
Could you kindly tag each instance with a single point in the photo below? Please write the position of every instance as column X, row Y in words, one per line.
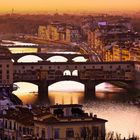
column 111, row 103
column 123, row 118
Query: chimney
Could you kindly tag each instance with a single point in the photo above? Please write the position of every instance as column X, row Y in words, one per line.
column 95, row 116
column 91, row 114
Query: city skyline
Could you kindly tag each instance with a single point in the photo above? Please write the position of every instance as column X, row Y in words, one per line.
column 37, row 6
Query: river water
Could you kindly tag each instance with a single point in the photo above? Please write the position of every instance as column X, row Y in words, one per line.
column 111, row 103
column 123, row 118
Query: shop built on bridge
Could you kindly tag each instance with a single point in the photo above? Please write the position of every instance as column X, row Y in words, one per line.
column 44, row 73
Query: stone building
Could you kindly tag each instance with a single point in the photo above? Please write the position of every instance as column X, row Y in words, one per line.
column 6, row 69
column 56, row 122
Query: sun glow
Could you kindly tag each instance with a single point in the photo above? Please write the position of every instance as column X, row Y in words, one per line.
column 63, row 5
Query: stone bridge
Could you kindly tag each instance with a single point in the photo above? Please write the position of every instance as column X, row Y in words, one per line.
column 45, row 56
column 45, row 73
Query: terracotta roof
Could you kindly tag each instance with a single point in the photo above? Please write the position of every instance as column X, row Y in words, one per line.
column 51, row 119
column 21, row 115
column 69, row 121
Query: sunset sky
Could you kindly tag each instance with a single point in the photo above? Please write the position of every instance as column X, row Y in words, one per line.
column 66, row 5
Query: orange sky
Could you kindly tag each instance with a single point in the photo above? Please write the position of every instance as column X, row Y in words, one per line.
column 66, row 5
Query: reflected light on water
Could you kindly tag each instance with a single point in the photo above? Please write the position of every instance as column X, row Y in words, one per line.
column 66, row 97
column 66, row 86
column 26, row 92
column 122, row 118
column 107, row 87
column 16, row 43
column 69, row 92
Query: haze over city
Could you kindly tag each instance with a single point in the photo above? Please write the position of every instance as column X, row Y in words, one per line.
column 37, row 6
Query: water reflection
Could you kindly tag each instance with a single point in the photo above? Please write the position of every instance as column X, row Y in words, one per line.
column 66, row 97
column 122, row 118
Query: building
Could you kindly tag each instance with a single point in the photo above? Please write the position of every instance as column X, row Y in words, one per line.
column 16, row 124
column 123, row 51
column 105, row 33
column 60, row 32
column 135, row 51
column 69, row 122
column 6, row 69
column 56, row 122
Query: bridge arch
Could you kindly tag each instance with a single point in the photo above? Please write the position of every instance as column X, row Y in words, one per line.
column 113, row 85
column 75, row 73
column 64, row 86
column 13, row 60
column 67, row 73
column 57, row 58
column 27, row 92
column 80, row 59
column 29, row 58
column 25, row 87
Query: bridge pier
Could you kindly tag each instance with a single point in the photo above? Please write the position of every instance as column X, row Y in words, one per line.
column 90, row 90
column 43, row 91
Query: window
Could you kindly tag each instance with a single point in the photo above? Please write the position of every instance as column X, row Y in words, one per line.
column 56, row 133
column 7, row 71
column 7, row 65
column 5, row 124
column 69, row 133
column 10, row 125
column 24, row 130
column 37, row 131
column 128, row 66
column 95, row 131
column 14, row 126
column 83, row 132
column 8, row 76
column 43, row 133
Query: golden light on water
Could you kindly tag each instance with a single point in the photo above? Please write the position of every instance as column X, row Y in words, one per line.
column 122, row 118
column 67, row 86
column 66, row 97
column 23, row 50
column 27, row 92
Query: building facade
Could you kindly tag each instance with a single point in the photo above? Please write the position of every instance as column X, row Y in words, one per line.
column 56, row 122
column 6, row 68
column 59, row 32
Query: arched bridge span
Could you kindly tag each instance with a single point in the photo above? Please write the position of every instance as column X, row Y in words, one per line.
column 45, row 56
